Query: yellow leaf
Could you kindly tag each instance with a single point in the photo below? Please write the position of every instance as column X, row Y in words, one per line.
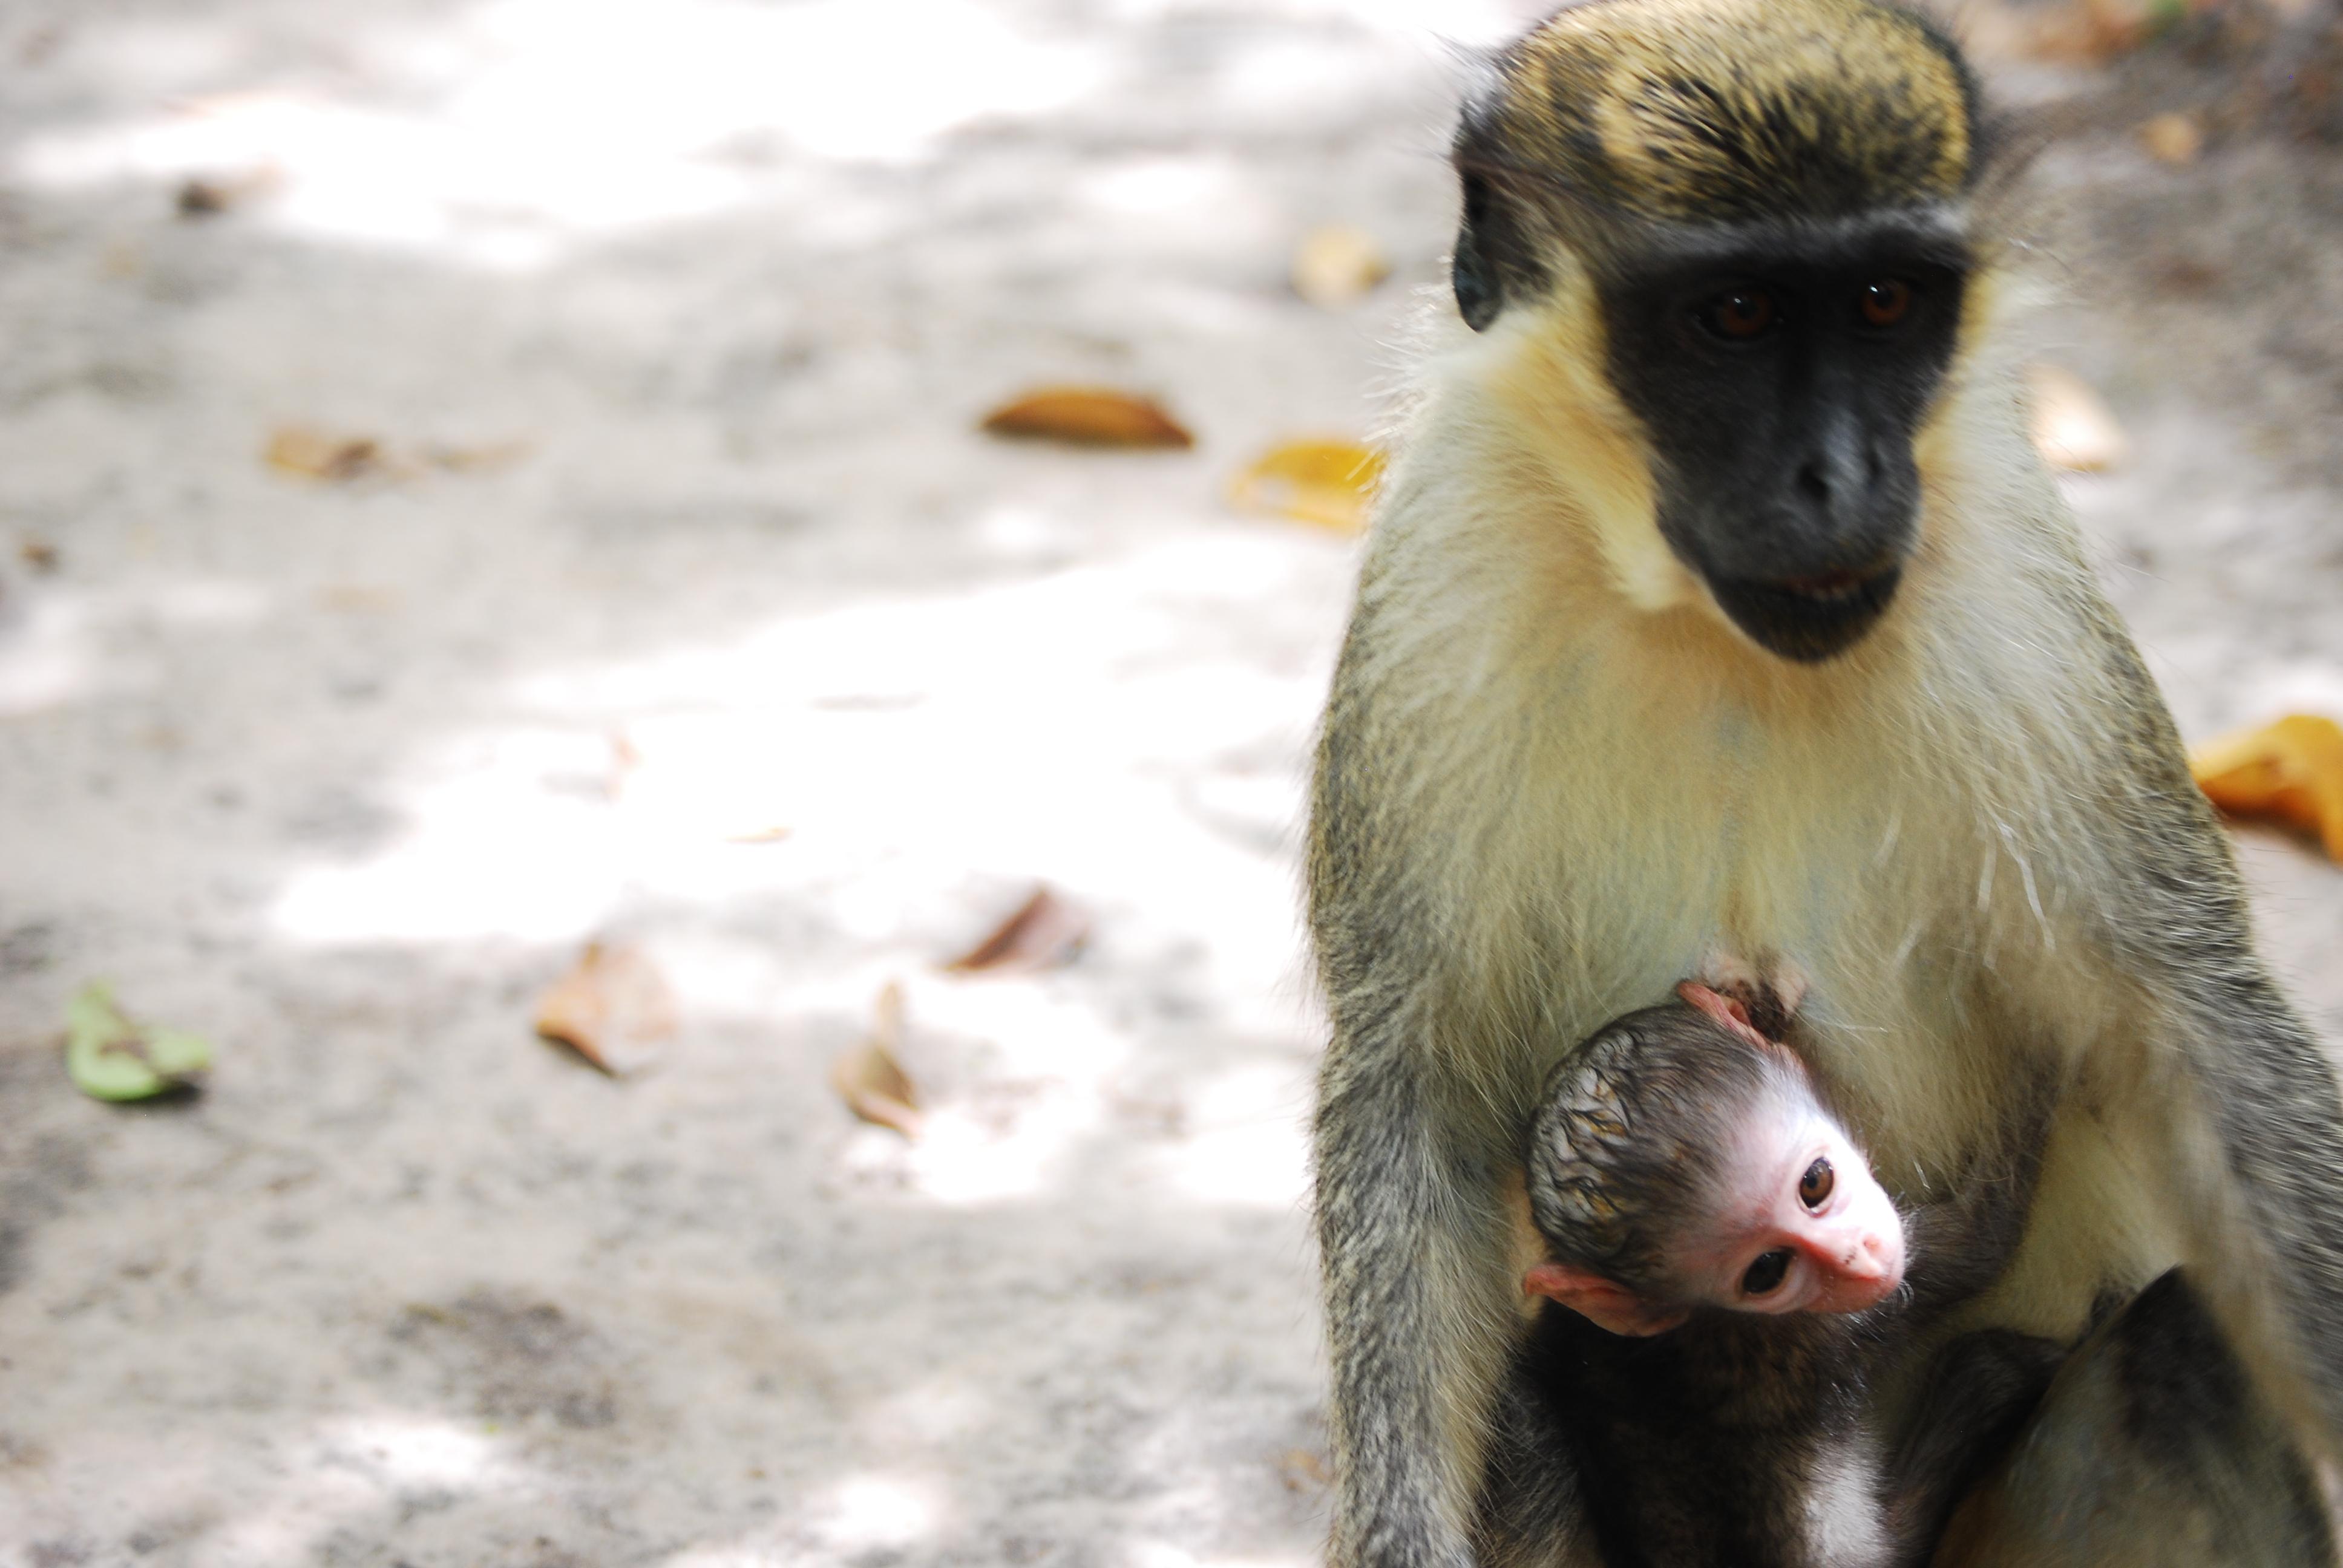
column 2071, row 426
column 2173, row 138
column 1336, row 267
column 1087, row 416
column 318, row 455
column 870, row 1080
column 2292, row 771
column 1329, row 483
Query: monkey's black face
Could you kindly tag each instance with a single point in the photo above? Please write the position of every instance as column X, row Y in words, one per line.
column 1782, row 384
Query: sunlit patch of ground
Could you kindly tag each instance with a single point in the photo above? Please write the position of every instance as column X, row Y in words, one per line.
column 758, row 656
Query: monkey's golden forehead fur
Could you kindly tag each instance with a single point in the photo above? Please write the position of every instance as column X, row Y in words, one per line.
column 1725, row 109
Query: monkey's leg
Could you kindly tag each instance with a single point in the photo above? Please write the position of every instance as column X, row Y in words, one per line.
column 2274, row 1112
column 1415, row 1248
column 2151, row 1449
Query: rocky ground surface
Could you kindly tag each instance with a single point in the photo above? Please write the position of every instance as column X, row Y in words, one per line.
column 704, row 299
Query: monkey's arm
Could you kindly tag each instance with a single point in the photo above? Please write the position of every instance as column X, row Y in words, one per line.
column 1979, row 1393
column 1960, row 1244
column 2253, row 1131
column 1416, row 1244
column 1415, row 1248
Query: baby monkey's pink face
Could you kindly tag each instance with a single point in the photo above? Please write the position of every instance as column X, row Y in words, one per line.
column 1801, row 1226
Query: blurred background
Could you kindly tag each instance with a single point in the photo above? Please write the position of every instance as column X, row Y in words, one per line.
column 497, row 533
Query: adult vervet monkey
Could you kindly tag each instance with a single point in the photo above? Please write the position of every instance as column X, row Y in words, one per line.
column 1719, row 608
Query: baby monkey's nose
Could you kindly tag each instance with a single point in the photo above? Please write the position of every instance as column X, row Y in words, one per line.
column 1874, row 1257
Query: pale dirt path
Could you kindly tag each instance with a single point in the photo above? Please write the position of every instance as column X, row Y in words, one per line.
column 330, row 774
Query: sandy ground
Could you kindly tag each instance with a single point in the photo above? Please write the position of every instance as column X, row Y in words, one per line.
column 342, row 775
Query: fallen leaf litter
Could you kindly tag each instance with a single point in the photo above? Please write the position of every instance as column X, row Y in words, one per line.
column 111, row 1057
column 870, row 1079
column 1043, row 933
column 614, row 1009
column 1088, row 416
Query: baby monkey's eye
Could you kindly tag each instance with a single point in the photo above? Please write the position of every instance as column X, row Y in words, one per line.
column 1767, row 1274
column 1814, row 1186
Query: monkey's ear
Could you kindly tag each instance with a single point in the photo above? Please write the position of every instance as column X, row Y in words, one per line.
column 1730, row 1011
column 1475, row 281
column 1479, row 292
column 1599, row 1300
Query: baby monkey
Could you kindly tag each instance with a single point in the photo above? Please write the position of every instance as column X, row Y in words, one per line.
column 1682, row 1161
column 1733, row 1271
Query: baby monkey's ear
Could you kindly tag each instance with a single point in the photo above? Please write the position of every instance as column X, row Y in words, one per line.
column 1730, row 1011
column 1599, row 1300
column 1770, row 990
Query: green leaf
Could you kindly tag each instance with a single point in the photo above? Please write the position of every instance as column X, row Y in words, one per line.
column 111, row 1057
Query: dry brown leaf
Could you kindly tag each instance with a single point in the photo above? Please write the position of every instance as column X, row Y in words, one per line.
column 2121, row 24
column 1302, row 1470
column 476, row 459
column 614, row 1009
column 2292, row 771
column 37, row 553
column 206, row 196
column 2072, row 427
column 1044, row 932
column 626, row 759
column 1994, row 33
column 1337, row 266
column 870, row 1080
column 319, row 455
column 2070, row 31
column 201, row 198
column 316, row 454
column 2173, row 138
column 1329, row 483
column 355, row 599
column 1087, row 416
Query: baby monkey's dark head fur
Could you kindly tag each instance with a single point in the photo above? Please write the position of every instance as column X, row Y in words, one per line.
column 1769, row 198
column 1633, row 1139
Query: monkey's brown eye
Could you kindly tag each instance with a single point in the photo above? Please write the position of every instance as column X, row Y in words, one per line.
column 1766, row 1274
column 1814, row 1186
column 1738, row 313
column 1886, row 302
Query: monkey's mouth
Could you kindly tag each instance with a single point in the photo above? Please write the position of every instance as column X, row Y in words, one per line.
column 1808, row 619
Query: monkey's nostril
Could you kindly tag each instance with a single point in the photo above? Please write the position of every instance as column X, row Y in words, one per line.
column 1829, row 586
column 1814, row 483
